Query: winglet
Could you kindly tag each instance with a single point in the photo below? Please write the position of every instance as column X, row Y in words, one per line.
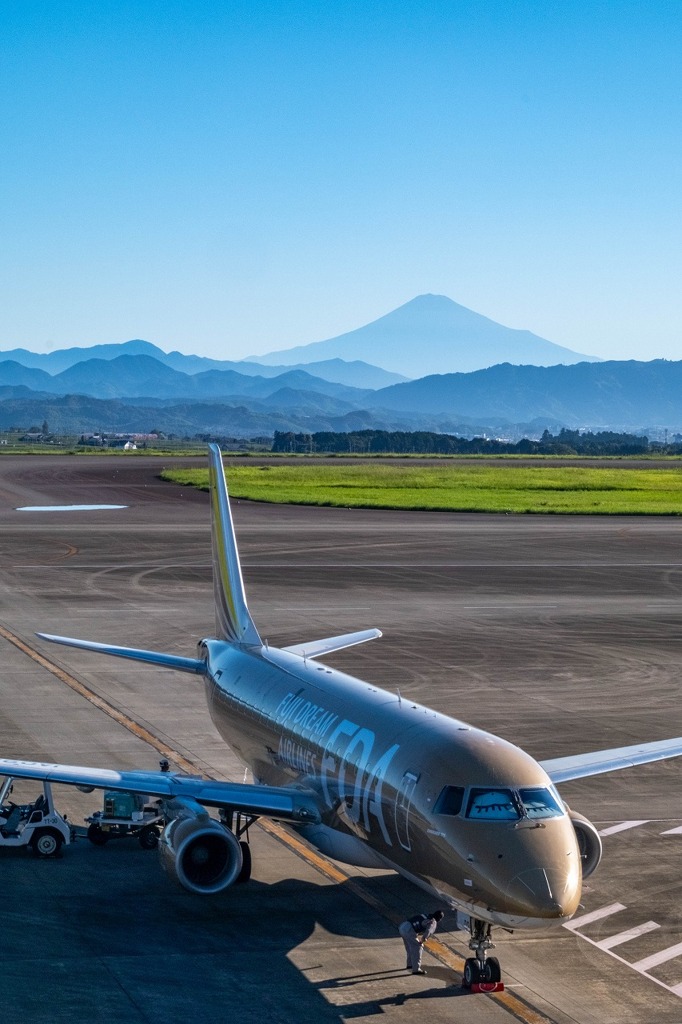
column 233, row 619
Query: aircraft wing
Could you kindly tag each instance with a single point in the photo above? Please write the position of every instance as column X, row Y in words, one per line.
column 316, row 648
column 284, row 803
column 580, row 766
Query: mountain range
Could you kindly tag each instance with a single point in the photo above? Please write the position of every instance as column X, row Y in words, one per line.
column 137, row 376
column 135, row 385
column 355, row 373
column 624, row 394
column 130, row 392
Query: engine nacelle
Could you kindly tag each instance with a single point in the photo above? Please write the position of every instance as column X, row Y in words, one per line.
column 200, row 853
column 589, row 842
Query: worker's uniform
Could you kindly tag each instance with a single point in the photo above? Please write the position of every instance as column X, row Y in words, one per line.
column 414, row 933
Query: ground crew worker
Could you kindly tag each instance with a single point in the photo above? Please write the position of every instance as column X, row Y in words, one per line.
column 414, row 933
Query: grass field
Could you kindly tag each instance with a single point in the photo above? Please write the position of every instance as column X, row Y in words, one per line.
column 506, row 487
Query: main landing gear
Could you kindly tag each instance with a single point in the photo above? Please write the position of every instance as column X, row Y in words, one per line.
column 239, row 824
column 480, row 969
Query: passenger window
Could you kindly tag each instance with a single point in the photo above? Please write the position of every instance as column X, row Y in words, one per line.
column 450, row 800
column 492, row 805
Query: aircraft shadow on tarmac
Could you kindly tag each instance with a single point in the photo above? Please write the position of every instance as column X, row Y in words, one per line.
column 114, row 906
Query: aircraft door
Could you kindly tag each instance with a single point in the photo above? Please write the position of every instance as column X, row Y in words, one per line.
column 403, row 802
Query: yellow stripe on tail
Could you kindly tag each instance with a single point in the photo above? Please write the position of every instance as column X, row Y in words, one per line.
column 233, row 619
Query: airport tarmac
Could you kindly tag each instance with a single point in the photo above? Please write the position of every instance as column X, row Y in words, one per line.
column 562, row 634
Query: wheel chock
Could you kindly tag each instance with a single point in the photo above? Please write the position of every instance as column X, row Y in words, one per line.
column 487, row 986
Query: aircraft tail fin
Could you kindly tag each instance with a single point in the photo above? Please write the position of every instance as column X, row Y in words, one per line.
column 233, row 619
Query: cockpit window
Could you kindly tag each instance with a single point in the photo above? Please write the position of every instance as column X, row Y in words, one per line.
column 492, row 805
column 540, row 803
column 450, row 800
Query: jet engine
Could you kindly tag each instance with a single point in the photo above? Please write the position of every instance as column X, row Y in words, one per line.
column 589, row 842
column 200, row 853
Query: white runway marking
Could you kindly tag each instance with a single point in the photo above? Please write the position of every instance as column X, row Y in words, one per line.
column 612, row 829
column 66, row 508
column 595, row 915
column 631, row 933
column 673, row 831
column 607, row 945
column 662, row 957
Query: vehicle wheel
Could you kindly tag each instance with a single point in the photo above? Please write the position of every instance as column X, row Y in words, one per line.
column 471, row 972
column 47, row 842
column 492, row 969
column 245, row 873
column 148, row 837
column 96, row 836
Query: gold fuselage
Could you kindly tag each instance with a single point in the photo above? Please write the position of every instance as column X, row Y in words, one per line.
column 376, row 764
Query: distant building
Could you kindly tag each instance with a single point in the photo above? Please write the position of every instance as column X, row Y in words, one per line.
column 128, row 442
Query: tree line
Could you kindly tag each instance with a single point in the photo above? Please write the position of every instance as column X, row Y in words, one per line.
column 424, row 442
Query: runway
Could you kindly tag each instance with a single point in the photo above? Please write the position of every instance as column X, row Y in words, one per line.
column 561, row 634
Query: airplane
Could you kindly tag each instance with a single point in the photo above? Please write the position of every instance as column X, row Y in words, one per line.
column 366, row 776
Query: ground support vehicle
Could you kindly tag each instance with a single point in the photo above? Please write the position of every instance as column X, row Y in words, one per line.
column 127, row 814
column 37, row 825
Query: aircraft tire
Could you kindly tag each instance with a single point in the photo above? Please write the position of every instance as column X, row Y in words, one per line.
column 492, row 969
column 245, row 873
column 471, row 973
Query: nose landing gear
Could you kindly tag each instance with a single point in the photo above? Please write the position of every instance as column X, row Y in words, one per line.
column 481, row 972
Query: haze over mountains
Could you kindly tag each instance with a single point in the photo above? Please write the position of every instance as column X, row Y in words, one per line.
column 432, row 334
column 135, row 386
column 135, row 376
column 354, row 373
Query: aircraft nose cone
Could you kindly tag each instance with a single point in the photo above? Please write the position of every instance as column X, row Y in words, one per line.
column 544, row 892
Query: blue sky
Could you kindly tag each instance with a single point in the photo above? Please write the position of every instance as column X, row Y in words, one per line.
column 229, row 178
